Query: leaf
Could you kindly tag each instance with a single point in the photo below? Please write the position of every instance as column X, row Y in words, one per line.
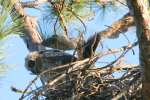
column 10, row 23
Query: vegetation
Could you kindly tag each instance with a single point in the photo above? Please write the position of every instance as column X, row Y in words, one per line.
column 77, row 76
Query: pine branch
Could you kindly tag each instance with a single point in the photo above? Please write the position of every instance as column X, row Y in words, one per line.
column 118, row 27
column 32, row 36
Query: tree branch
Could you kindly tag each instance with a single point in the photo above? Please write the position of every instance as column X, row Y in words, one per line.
column 118, row 27
column 32, row 4
column 33, row 38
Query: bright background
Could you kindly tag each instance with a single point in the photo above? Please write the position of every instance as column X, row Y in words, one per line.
column 15, row 51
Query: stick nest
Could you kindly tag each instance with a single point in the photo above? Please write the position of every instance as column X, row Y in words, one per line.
column 83, row 81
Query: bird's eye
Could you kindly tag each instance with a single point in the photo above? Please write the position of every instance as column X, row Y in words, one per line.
column 31, row 63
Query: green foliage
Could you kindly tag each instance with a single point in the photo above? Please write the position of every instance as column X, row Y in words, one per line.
column 10, row 23
column 3, row 67
column 70, row 10
column 74, row 11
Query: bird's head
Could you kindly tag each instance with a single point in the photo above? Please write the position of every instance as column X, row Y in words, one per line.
column 30, row 61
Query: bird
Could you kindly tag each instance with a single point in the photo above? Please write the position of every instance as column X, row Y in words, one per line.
column 38, row 61
column 85, row 49
column 88, row 48
column 61, row 42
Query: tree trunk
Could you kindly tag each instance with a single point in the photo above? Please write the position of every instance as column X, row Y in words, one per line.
column 31, row 37
column 139, row 9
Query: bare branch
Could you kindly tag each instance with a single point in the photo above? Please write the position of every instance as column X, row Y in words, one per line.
column 30, row 28
column 32, row 4
column 117, row 27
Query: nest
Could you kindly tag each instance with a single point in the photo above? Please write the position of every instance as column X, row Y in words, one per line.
column 83, row 81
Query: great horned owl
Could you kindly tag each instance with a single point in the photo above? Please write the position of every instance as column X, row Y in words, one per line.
column 85, row 49
column 62, row 42
column 90, row 46
column 37, row 62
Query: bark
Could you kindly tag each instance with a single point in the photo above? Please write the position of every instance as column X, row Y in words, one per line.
column 118, row 27
column 32, row 37
column 139, row 9
column 32, row 4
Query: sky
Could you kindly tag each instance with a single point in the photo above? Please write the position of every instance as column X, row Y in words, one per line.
column 15, row 51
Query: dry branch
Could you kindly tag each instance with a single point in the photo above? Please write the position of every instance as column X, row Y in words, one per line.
column 32, row 36
column 31, row 29
column 118, row 27
column 32, row 4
